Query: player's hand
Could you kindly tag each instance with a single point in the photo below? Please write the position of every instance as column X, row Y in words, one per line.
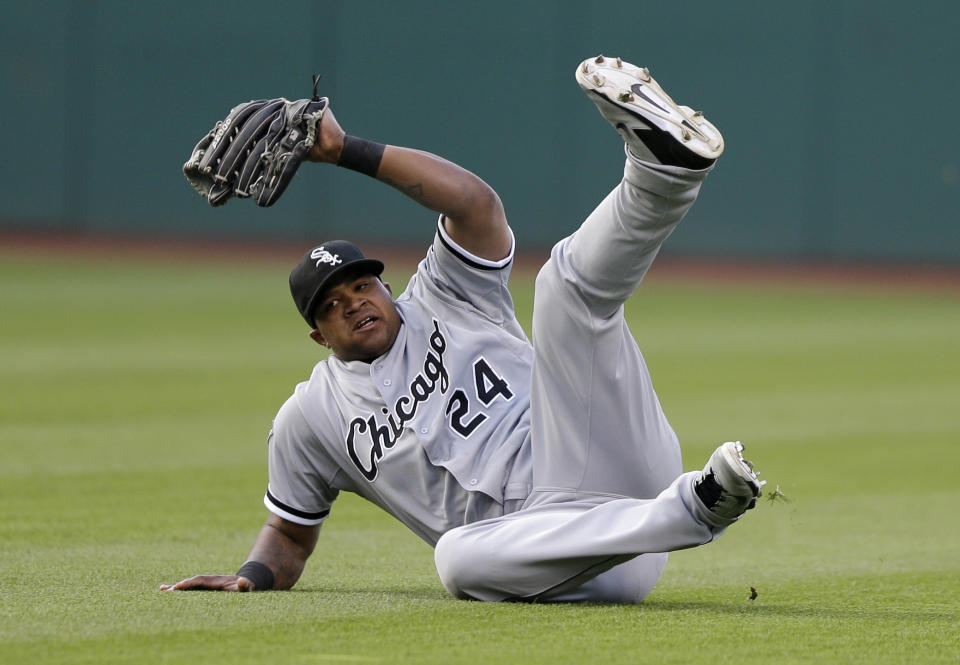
column 329, row 141
column 211, row 583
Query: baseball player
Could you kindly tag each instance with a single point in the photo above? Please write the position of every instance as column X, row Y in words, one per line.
column 543, row 471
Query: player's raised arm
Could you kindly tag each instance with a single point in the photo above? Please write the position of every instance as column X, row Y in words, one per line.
column 276, row 561
column 474, row 214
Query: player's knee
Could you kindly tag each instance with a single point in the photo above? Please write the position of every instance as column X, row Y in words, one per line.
column 563, row 296
column 548, row 280
column 552, row 297
column 453, row 563
column 468, row 569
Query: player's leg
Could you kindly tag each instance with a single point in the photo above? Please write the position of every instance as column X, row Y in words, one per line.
column 551, row 549
column 597, row 425
column 588, row 549
column 598, row 432
column 598, row 428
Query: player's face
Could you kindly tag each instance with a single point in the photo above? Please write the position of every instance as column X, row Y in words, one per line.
column 357, row 318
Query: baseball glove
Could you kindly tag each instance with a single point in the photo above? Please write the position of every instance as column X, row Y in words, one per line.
column 256, row 150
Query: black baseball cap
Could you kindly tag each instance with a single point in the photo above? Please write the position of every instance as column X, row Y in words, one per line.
column 318, row 268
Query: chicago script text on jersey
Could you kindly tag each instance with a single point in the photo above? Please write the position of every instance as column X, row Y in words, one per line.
column 374, row 438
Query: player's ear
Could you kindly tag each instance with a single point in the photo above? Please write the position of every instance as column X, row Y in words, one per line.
column 386, row 285
column 317, row 337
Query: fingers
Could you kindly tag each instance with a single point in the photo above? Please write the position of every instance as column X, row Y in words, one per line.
column 329, row 140
column 208, row 583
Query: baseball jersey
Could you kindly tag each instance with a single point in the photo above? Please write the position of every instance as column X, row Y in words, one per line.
column 437, row 430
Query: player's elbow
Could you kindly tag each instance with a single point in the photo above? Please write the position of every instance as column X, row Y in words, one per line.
column 481, row 202
column 479, row 224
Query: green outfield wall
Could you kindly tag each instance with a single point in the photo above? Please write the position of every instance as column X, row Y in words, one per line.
column 839, row 116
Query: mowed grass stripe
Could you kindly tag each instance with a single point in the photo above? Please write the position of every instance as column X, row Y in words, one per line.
column 138, row 395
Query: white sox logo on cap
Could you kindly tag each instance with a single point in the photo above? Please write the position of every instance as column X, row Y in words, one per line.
column 319, row 265
column 323, row 256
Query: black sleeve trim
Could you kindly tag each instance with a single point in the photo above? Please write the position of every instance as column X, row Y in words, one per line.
column 456, row 251
column 296, row 511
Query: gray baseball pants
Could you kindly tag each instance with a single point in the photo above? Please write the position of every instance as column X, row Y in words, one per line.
column 609, row 499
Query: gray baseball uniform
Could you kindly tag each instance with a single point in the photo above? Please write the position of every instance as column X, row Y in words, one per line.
column 545, row 472
column 437, row 431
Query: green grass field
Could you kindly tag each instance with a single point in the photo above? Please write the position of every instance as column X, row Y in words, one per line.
column 136, row 398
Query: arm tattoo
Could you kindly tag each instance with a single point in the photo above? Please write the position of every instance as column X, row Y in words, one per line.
column 414, row 191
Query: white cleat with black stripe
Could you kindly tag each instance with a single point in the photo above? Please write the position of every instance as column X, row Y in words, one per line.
column 728, row 485
column 655, row 128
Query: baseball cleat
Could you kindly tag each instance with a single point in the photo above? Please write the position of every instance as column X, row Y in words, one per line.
column 728, row 485
column 655, row 128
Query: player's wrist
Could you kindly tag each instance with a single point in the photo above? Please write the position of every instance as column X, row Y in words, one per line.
column 258, row 573
column 361, row 155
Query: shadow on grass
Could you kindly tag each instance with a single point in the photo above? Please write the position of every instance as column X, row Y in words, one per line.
column 411, row 593
column 747, row 608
